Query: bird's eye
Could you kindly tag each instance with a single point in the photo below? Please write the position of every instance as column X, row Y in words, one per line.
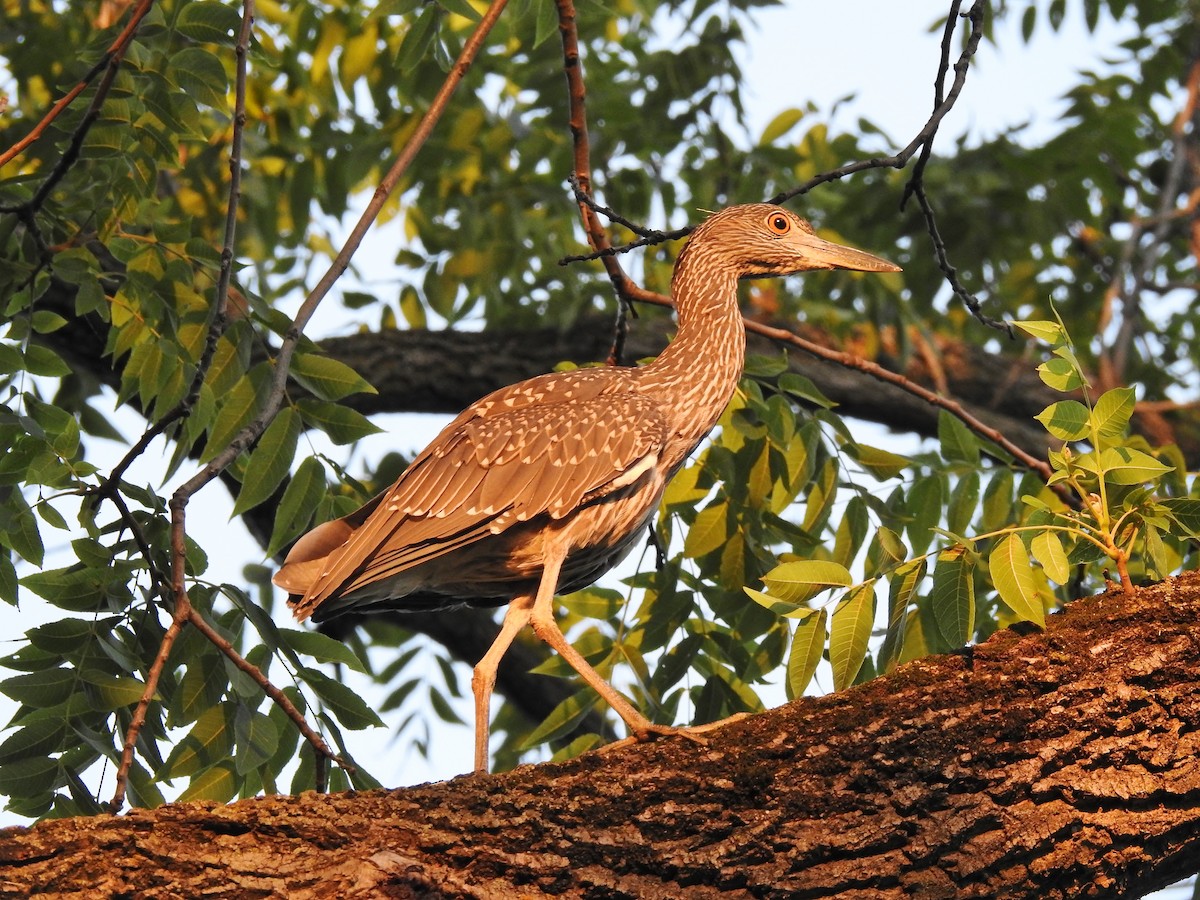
column 779, row 223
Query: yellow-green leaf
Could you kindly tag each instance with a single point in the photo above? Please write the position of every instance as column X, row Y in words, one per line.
column 802, row 579
column 1123, row 465
column 849, row 632
column 1041, row 330
column 953, row 596
column 328, row 378
column 883, row 464
column 1048, row 550
column 1012, row 575
column 708, row 532
column 779, row 607
column 1110, row 416
column 1067, row 420
column 217, row 783
column 808, row 643
column 780, row 125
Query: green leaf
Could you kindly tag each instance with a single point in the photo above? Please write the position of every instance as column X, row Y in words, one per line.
column 270, row 461
column 562, row 719
column 19, row 529
column 959, row 443
column 925, row 507
column 8, row 580
column 849, row 633
column 28, row 777
column 209, row 740
column 1110, row 416
column 41, row 689
column 328, row 378
column 342, row 424
column 300, row 499
column 256, row 738
column 808, row 642
column 1124, row 466
column 235, row 412
column 779, row 607
column 547, row 21
column 40, row 360
column 883, row 464
column 1186, row 514
column 902, row 587
column 953, row 596
column 71, row 587
column 462, row 8
column 39, row 739
column 114, row 691
column 417, row 41
column 209, row 21
column 1067, row 420
column 1048, row 550
column 201, row 75
column 708, row 532
column 1012, row 574
column 349, row 708
column 321, row 648
column 801, row 580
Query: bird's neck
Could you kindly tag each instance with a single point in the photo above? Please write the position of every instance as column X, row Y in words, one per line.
column 697, row 373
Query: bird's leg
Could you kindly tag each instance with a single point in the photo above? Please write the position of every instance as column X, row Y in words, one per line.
column 546, row 627
column 483, row 679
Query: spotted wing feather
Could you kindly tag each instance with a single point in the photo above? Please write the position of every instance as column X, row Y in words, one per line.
column 489, row 470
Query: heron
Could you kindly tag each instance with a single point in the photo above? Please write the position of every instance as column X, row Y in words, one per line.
column 541, row 487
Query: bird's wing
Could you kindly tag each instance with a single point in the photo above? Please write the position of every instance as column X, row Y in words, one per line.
column 486, row 471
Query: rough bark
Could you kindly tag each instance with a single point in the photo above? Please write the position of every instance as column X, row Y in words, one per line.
column 1056, row 765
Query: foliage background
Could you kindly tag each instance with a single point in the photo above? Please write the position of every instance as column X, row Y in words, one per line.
column 1093, row 210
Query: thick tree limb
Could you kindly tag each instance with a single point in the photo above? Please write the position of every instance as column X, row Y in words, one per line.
column 1045, row 766
column 429, row 371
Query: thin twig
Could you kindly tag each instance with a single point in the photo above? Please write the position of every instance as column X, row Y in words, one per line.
column 324, row 753
column 939, row 249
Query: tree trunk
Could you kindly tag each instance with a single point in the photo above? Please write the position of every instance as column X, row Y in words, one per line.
column 1056, row 765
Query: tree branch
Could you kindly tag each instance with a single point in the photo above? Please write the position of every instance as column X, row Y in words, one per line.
column 1042, row 766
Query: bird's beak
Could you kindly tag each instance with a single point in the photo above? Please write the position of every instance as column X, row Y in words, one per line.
column 822, row 254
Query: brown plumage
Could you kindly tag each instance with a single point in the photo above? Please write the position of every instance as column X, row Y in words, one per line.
column 541, row 487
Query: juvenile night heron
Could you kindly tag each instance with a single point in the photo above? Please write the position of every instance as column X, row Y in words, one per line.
column 543, row 486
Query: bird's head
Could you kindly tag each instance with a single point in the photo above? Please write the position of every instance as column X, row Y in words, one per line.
column 760, row 239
